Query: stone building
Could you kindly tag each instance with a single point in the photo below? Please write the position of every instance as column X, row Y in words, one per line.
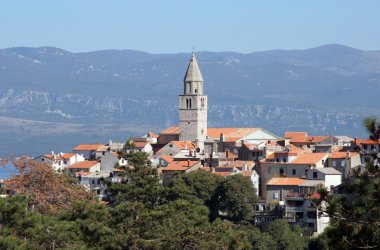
column 193, row 107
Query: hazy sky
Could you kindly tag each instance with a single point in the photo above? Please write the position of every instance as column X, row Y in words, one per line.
column 161, row 26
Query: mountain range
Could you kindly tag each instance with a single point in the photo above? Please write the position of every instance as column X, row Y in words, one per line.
column 52, row 99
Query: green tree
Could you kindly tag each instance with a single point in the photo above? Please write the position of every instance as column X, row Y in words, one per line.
column 283, row 236
column 197, row 184
column 372, row 124
column 141, row 183
column 355, row 216
column 234, row 199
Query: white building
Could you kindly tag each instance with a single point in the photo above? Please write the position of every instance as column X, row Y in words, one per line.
column 330, row 176
column 59, row 162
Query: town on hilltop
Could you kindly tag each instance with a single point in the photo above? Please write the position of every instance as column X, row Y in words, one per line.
column 286, row 171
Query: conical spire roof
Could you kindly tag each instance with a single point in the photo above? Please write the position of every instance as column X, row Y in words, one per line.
column 193, row 74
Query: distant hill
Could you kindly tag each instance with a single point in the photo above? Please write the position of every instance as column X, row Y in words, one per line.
column 52, row 99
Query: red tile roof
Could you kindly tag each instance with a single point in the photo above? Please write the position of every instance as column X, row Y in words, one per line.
column 309, row 158
column 285, row 181
column 184, row 144
column 289, row 135
column 89, row 147
column 342, row 155
column 82, row 173
column 234, row 133
column 83, row 164
column 309, row 139
column 153, row 135
column 223, row 173
column 230, row 134
column 247, row 172
column 140, row 144
column 171, row 130
column 67, row 156
column 366, row 142
column 167, row 158
column 179, row 165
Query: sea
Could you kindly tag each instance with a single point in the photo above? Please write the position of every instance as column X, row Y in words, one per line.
column 6, row 171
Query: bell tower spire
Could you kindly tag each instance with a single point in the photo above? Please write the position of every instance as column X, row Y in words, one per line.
column 193, row 106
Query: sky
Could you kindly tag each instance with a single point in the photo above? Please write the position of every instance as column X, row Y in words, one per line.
column 170, row 26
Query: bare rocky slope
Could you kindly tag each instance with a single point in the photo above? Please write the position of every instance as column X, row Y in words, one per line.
column 52, row 99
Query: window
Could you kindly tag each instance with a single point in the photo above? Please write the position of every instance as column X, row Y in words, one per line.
column 323, row 162
column 281, row 171
column 343, row 163
column 277, row 159
column 294, row 172
column 315, row 175
column 365, row 146
column 283, row 159
column 334, row 163
column 42, row 159
column 196, row 91
column 98, row 182
column 93, row 182
column 275, row 196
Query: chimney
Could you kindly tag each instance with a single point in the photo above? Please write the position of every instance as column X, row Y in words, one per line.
column 221, row 138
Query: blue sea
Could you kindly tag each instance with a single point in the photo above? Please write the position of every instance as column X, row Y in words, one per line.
column 6, row 172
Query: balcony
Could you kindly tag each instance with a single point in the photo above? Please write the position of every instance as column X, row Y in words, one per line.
column 290, row 209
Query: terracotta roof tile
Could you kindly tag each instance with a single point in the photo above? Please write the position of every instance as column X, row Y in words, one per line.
column 366, row 142
column 140, row 144
column 153, row 135
column 82, row 173
column 84, row 164
column 67, row 156
column 179, row 165
column 309, row 139
column 342, row 155
column 90, row 147
column 222, row 173
column 309, row 158
column 171, row 130
column 230, row 134
column 277, row 181
column 289, row 135
column 184, row 144
column 167, row 158
column 235, row 133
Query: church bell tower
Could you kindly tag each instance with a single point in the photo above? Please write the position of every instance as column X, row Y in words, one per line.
column 193, row 107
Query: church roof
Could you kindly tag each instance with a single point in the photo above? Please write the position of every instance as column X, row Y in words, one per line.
column 193, row 74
